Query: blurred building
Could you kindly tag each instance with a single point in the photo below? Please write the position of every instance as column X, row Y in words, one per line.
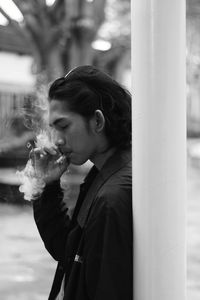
column 16, row 78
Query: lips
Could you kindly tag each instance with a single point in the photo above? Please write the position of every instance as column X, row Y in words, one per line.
column 67, row 154
column 64, row 151
column 63, row 157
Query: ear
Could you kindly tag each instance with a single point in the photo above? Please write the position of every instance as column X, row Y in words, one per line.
column 99, row 121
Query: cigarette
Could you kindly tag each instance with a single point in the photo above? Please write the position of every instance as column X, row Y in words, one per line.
column 61, row 159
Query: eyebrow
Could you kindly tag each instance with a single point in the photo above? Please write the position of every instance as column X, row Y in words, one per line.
column 57, row 121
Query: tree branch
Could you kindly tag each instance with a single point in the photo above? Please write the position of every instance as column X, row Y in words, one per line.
column 14, row 23
column 58, row 4
column 24, row 6
column 29, row 10
column 2, row 11
column 57, row 11
column 99, row 14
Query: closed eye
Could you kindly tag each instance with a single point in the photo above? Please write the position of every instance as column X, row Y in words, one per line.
column 60, row 123
column 62, row 127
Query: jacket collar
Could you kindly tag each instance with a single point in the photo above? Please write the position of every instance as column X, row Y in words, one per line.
column 111, row 166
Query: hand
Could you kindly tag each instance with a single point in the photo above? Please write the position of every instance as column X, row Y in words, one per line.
column 46, row 164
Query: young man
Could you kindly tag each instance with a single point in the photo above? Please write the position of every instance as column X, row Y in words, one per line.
column 91, row 114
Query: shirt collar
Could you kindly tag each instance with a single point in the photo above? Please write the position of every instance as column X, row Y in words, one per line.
column 112, row 165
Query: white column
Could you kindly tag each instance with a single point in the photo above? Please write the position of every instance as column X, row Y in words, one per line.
column 159, row 149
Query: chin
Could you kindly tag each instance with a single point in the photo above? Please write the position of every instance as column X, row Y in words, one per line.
column 78, row 162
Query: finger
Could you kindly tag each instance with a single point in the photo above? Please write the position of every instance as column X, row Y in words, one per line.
column 31, row 153
column 36, row 155
column 51, row 151
column 62, row 163
column 39, row 151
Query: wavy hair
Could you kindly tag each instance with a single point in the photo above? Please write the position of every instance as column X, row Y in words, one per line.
column 86, row 89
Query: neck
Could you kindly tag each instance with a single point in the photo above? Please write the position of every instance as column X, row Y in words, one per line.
column 102, row 157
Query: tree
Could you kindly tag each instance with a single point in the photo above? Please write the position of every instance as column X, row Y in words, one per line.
column 60, row 35
column 117, row 29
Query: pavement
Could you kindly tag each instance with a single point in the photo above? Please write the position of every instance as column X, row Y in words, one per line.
column 26, row 268
column 193, row 230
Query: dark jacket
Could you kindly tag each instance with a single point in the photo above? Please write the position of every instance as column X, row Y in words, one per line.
column 94, row 249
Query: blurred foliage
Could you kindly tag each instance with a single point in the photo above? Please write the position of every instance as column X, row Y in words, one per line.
column 193, row 46
column 61, row 34
column 193, row 67
column 116, row 29
column 117, row 25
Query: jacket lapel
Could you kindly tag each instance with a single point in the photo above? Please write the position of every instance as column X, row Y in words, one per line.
column 113, row 164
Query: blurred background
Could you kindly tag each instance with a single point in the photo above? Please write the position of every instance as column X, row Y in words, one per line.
column 40, row 41
column 193, row 147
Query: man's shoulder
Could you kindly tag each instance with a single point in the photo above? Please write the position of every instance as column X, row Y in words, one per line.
column 114, row 203
column 116, row 193
column 119, row 181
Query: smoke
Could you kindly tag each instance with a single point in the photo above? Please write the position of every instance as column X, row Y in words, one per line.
column 44, row 139
column 35, row 113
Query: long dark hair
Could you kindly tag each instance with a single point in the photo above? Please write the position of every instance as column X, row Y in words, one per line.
column 86, row 89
